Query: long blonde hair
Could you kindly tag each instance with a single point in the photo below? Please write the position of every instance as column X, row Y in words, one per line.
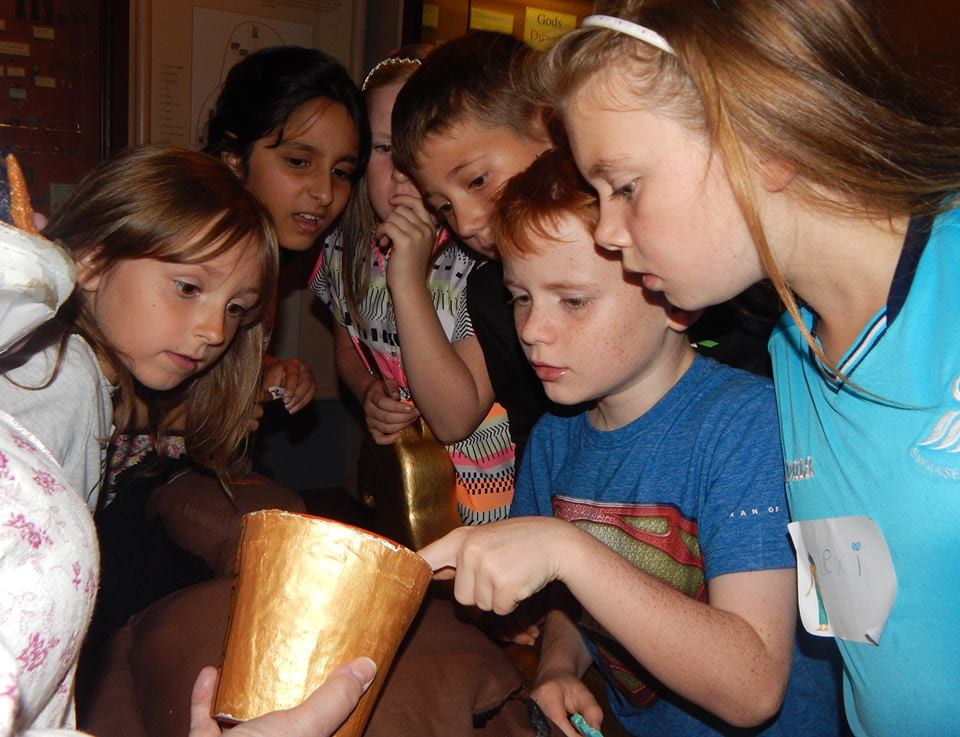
column 152, row 202
column 813, row 83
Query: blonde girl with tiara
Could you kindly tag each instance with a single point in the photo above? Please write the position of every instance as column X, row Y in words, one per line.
column 395, row 284
column 731, row 142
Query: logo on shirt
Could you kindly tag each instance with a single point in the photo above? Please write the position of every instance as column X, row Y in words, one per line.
column 938, row 452
column 800, row 469
column 659, row 540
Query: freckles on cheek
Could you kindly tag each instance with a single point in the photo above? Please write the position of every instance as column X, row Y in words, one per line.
column 613, row 349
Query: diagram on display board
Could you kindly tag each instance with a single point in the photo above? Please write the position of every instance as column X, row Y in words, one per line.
column 220, row 40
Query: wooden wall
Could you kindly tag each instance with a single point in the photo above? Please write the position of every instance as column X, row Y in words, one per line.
column 928, row 32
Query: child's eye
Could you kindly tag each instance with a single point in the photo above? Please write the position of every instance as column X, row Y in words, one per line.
column 477, row 182
column 519, row 300
column 576, row 303
column 343, row 173
column 444, row 209
column 236, row 310
column 297, row 163
column 627, row 191
column 383, row 148
column 186, row 289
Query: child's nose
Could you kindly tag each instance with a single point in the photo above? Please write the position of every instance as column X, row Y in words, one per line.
column 210, row 327
column 532, row 326
column 610, row 232
column 471, row 219
column 321, row 189
column 402, row 184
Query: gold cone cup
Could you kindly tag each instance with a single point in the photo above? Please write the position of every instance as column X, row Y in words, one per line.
column 310, row 594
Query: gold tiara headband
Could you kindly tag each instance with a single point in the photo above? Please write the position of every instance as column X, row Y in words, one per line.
column 385, row 63
column 630, row 29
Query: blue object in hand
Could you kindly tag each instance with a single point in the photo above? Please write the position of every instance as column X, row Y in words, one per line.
column 583, row 728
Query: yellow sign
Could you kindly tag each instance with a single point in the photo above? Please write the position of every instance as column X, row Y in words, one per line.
column 490, row 20
column 542, row 27
column 431, row 16
column 13, row 48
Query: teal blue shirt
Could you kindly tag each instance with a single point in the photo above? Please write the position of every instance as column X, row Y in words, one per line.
column 894, row 457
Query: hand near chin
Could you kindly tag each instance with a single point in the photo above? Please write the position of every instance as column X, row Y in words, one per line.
column 411, row 232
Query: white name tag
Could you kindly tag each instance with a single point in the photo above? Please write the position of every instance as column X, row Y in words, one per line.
column 846, row 582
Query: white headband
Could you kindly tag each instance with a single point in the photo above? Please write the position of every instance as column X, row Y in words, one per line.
column 384, row 63
column 629, row 28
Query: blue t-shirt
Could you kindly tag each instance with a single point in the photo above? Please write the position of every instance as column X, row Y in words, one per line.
column 691, row 490
column 895, row 457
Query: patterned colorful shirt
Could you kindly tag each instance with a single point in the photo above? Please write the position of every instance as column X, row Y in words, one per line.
column 483, row 461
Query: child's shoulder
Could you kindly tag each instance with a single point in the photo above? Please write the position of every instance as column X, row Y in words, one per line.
column 719, row 389
column 950, row 218
column 452, row 254
column 82, row 356
column 726, row 378
column 486, row 277
column 43, row 348
column 48, row 351
column 558, row 429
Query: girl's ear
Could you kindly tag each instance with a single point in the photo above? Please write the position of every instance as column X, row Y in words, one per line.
column 776, row 174
column 89, row 272
column 233, row 162
column 681, row 320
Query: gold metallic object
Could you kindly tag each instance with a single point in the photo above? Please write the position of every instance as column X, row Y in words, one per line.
column 310, row 594
column 413, row 487
column 21, row 211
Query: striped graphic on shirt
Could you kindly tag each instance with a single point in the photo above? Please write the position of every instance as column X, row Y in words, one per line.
column 484, row 461
column 484, row 464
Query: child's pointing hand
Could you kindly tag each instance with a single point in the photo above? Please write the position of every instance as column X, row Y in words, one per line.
column 497, row 566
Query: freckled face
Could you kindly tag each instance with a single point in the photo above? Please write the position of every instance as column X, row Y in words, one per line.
column 665, row 201
column 589, row 329
column 461, row 170
column 384, row 181
column 305, row 181
column 168, row 321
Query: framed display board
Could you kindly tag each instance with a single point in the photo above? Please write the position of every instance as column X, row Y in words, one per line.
column 53, row 70
column 181, row 50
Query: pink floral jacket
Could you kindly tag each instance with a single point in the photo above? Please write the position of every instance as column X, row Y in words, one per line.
column 49, row 568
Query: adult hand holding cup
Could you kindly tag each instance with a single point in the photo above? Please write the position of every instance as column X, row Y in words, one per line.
column 309, row 595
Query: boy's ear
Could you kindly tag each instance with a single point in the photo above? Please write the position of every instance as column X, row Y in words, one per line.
column 88, row 273
column 681, row 320
column 542, row 131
